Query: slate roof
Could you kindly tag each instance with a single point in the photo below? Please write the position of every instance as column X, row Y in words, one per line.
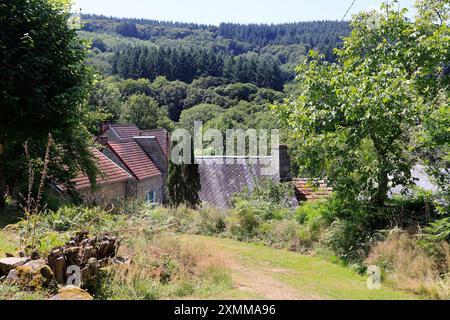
column 421, row 180
column 162, row 137
column 111, row 173
column 134, row 158
column 304, row 191
column 219, row 182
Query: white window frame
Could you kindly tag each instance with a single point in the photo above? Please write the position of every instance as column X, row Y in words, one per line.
column 150, row 197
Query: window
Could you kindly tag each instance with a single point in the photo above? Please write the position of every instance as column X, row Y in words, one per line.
column 150, row 197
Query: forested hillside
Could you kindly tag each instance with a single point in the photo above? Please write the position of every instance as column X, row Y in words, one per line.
column 176, row 66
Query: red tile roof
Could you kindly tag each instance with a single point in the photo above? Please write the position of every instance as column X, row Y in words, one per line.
column 135, row 159
column 126, row 131
column 305, row 191
column 162, row 137
column 111, row 172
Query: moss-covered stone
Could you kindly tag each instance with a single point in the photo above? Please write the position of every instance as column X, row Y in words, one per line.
column 72, row 293
column 34, row 275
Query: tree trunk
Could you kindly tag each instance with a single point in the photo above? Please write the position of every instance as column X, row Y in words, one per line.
column 383, row 188
column 383, row 175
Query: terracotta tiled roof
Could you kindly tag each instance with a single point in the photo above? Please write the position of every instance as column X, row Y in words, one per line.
column 111, row 172
column 134, row 158
column 305, row 191
column 162, row 137
column 126, row 131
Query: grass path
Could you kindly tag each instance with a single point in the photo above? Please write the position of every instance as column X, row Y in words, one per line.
column 260, row 272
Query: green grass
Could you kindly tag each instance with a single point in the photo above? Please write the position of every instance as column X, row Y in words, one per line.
column 15, row 293
column 8, row 241
column 306, row 275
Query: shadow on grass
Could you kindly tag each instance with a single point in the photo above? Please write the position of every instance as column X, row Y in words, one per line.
column 9, row 216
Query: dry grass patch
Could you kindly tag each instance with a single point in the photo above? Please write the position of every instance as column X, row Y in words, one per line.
column 162, row 267
column 409, row 266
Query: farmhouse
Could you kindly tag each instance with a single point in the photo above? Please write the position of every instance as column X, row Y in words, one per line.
column 112, row 183
column 133, row 165
column 148, row 181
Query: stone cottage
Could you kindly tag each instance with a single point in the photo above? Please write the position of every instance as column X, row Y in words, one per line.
column 143, row 154
column 112, row 183
column 133, row 165
column 148, row 183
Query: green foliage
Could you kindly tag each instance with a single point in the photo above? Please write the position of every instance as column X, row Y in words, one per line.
column 183, row 184
column 268, row 191
column 145, row 112
column 354, row 121
column 434, row 144
column 17, row 293
column 310, row 210
column 46, row 94
column 201, row 112
column 349, row 240
column 106, row 96
column 438, row 230
column 244, row 220
column 279, row 233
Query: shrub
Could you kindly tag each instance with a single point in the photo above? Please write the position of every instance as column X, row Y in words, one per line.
column 73, row 218
column 279, row 234
column 348, row 240
column 210, row 221
column 311, row 233
column 269, row 193
column 311, row 210
column 438, row 230
column 244, row 220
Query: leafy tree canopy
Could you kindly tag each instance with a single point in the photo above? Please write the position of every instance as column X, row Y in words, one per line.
column 44, row 86
column 355, row 120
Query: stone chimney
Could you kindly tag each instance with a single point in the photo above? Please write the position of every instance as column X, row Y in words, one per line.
column 285, row 163
column 281, row 163
column 103, row 140
column 105, row 125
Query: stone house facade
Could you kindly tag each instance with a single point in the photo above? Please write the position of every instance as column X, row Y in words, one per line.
column 111, row 183
column 148, row 182
column 133, row 165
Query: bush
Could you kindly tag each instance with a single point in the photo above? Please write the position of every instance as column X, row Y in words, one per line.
column 268, row 193
column 311, row 233
column 279, row 234
column 244, row 220
column 349, row 241
column 438, row 230
column 210, row 221
column 311, row 210
column 72, row 218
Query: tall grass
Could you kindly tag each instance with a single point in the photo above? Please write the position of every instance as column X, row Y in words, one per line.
column 407, row 265
column 162, row 268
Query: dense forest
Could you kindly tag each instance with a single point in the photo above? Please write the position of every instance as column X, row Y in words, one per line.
column 185, row 65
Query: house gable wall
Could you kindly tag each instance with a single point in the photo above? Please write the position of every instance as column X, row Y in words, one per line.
column 107, row 193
